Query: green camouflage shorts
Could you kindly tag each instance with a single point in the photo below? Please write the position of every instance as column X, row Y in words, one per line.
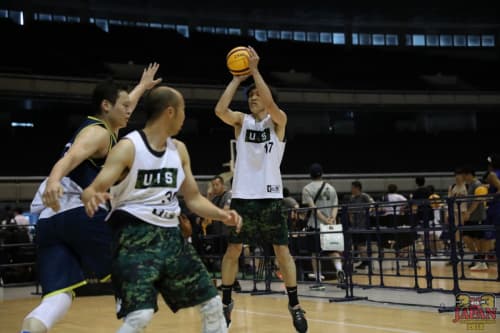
column 149, row 260
column 264, row 222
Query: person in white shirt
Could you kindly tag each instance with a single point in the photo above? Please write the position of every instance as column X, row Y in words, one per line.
column 257, row 186
column 145, row 172
column 327, row 204
column 393, row 196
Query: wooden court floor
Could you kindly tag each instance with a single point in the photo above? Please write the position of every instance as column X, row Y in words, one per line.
column 260, row 314
column 269, row 314
column 438, row 282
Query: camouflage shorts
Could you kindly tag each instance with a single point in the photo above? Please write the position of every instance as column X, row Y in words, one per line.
column 149, row 260
column 264, row 222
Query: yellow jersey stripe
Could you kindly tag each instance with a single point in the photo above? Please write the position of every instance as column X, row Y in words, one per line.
column 70, row 288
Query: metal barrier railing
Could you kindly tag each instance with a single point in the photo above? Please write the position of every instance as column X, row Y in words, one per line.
column 412, row 236
column 17, row 256
column 423, row 226
column 408, row 237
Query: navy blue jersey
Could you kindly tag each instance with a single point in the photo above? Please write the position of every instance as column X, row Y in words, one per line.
column 85, row 173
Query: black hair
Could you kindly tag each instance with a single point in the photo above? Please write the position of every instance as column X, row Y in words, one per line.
column 252, row 86
column 357, row 184
column 286, row 192
column 106, row 90
column 468, row 171
column 18, row 210
column 219, row 178
column 392, row 188
column 420, row 181
column 495, row 161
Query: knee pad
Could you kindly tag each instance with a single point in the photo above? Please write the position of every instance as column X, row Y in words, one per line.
column 213, row 320
column 136, row 321
column 50, row 311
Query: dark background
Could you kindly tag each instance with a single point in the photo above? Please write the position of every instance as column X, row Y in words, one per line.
column 348, row 138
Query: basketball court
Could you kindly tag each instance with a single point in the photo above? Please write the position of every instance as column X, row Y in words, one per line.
column 385, row 310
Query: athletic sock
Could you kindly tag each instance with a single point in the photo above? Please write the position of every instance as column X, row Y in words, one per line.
column 292, row 296
column 226, row 294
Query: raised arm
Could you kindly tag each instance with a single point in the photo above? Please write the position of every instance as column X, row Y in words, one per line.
column 196, row 202
column 147, row 82
column 222, row 110
column 92, row 141
column 119, row 160
column 277, row 115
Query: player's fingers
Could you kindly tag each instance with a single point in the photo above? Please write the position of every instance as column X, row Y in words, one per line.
column 94, row 204
column 239, row 224
column 88, row 210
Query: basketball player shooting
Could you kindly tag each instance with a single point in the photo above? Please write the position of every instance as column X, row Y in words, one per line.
column 257, row 187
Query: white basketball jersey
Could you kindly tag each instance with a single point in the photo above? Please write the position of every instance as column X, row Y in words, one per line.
column 258, row 157
column 149, row 192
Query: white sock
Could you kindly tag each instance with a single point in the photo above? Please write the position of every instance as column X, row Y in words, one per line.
column 136, row 321
column 51, row 310
column 338, row 264
column 213, row 320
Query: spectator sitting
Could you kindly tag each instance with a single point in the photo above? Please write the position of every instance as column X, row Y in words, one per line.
column 393, row 196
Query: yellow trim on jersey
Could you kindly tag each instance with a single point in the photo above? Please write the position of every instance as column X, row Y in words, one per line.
column 93, row 163
column 113, row 135
column 105, row 279
column 70, row 288
column 112, row 139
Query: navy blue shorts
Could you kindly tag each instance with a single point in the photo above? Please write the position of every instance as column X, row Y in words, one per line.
column 72, row 247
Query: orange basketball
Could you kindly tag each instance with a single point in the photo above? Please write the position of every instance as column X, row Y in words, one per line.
column 481, row 190
column 237, row 61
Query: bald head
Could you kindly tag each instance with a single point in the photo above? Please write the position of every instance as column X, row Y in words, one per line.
column 159, row 99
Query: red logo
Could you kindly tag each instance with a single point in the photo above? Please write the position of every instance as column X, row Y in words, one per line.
column 475, row 311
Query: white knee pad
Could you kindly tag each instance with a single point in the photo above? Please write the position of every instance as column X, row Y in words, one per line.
column 50, row 311
column 136, row 321
column 213, row 320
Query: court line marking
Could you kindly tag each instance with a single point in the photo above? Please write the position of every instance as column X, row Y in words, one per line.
column 385, row 329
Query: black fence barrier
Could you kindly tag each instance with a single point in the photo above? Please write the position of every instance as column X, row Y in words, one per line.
column 410, row 236
column 416, row 223
column 414, row 237
column 17, row 256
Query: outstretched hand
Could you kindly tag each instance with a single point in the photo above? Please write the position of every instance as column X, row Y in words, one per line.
column 148, row 75
column 253, row 59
